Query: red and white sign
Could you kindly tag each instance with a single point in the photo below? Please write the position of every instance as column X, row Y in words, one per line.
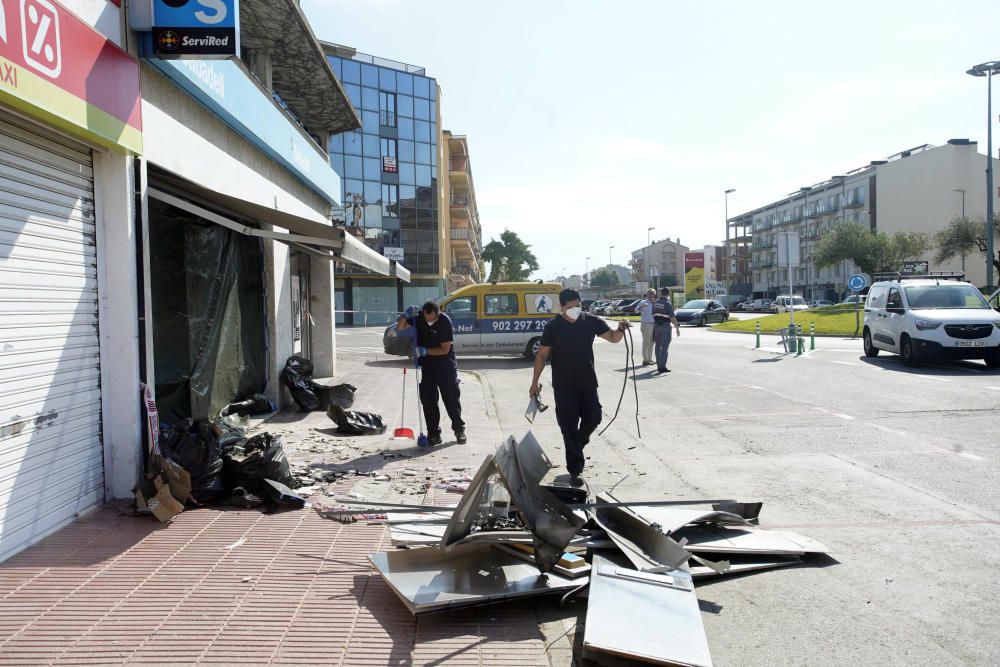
column 389, row 164
column 51, row 61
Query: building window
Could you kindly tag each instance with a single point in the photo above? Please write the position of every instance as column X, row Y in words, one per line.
column 388, row 151
column 390, row 201
column 387, row 109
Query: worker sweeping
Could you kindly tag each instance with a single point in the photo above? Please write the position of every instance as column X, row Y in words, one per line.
column 435, row 354
column 569, row 340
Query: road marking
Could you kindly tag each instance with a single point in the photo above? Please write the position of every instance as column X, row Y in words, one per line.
column 889, row 430
column 753, row 386
column 839, row 415
column 844, row 363
column 994, row 388
column 972, row 457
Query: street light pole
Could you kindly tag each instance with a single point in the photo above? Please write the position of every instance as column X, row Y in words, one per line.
column 645, row 256
column 988, row 69
column 587, row 271
column 729, row 252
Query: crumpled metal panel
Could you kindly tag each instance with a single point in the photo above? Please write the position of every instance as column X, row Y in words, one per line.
column 747, row 540
column 467, row 575
column 646, row 548
column 520, row 468
column 654, row 618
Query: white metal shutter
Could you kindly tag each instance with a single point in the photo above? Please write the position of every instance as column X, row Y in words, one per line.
column 51, row 456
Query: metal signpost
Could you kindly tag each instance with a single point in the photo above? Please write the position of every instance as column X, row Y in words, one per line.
column 856, row 283
column 788, row 254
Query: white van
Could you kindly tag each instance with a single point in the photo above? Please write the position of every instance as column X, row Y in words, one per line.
column 784, row 303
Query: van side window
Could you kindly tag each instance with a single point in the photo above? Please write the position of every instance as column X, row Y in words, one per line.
column 894, row 300
column 501, row 304
column 876, row 298
column 464, row 307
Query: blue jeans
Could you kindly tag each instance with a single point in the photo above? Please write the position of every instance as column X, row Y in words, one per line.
column 578, row 412
column 662, row 336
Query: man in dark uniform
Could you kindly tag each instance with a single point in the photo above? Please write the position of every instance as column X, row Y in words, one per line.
column 439, row 368
column 663, row 317
column 569, row 340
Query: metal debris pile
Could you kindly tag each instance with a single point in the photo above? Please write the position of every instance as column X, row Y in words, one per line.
column 510, row 536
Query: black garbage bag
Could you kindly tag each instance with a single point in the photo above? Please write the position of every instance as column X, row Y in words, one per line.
column 250, row 462
column 193, row 446
column 356, row 423
column 297, row 376
column 341, row 395
column 258, row 405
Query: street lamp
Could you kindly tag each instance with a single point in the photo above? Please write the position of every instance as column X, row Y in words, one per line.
column 962, row 191
column 988, row 69
column 728, row 249
column 587, row 272
column 645, row 256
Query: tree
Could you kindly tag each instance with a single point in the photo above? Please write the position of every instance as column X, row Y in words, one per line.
column 520, row 261
column 871, row 252
column 604, row 277
column 958, row 238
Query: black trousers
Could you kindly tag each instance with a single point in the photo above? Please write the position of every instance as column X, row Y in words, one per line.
column 440, row 380
column 578, row 412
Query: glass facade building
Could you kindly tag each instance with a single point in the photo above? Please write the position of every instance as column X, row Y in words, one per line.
column 389, row 168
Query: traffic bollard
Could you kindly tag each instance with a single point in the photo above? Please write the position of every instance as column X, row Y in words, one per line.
column 812, row 336
column 757, row 346
column 801, row 341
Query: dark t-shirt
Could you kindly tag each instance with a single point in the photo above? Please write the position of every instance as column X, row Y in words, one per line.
column 663, row 310
column 432, row 335
column 572, row 353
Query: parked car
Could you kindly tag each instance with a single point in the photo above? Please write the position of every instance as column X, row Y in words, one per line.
column 702, row 311
column 747, row 306
column 586, row 304
column 856, row 298
column 931, row 318
column 820, row 303
column 615, row 307
column 761, row 305
column 784, row 303
column 630, row 307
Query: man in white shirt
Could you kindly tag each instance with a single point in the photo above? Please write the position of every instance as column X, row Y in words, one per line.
column 646, row 326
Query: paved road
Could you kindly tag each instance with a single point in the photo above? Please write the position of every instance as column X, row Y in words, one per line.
column 895, row 469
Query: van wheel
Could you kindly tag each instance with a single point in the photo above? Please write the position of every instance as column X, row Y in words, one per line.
column 906, row 351
column 870, row 349
column 531, row 351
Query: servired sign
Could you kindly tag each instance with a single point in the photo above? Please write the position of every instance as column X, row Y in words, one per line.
column 201, row 29
column 56, row 67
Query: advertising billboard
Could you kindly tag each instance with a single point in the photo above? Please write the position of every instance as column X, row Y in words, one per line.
column 694, row 275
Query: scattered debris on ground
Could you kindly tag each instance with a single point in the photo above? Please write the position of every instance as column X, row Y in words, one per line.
column 509, row 536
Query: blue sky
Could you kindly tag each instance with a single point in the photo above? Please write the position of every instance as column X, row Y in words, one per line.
column 590, row 121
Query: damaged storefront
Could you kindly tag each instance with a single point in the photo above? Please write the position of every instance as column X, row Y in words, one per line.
column 239, row 247
column 69, row 125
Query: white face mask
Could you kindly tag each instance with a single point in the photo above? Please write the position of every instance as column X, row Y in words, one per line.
column 574, row 312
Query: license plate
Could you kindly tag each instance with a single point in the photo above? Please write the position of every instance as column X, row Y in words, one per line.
column 970, row 343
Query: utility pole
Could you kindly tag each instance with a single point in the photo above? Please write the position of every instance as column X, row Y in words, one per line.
column 988, row 69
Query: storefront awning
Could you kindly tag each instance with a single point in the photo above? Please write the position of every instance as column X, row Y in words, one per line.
column 323, row 240
column 401, row 272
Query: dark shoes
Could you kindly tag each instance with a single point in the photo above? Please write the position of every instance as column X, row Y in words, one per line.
column 576, row 480
column 662, row 370
column 460, row 437
column 433, row 440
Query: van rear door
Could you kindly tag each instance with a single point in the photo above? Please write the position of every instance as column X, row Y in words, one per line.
column 464, row 314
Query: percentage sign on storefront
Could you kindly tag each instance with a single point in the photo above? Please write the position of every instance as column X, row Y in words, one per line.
column 40, row 36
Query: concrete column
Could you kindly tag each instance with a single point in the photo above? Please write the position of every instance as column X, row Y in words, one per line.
column 321, row 309
column 117, row 280
column 277, row 283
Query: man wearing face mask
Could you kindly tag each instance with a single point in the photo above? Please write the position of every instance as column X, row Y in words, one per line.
column 439, row 368
column 569, row 340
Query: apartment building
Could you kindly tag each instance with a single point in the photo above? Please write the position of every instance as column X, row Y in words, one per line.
column 464, row 254
column 917, row 190
column 660, row 263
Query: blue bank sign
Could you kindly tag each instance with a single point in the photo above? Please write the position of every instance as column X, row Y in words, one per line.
column 195, row 28
column 228, row 91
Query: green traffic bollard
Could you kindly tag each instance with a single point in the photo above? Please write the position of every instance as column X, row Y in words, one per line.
column 757, row 346
column 801, row 347
column 812, row 336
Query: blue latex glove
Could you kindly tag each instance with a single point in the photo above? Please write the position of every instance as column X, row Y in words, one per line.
column 411, row 312
column 420, row 351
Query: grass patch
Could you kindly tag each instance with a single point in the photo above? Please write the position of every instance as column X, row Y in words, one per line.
column 831, row 321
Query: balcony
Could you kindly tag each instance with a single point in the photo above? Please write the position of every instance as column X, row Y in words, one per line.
column 815, row 212
column 464, row 238
column 467, row 270
column 854, row 202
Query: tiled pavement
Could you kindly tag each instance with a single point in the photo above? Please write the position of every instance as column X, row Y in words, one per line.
column 296, row 589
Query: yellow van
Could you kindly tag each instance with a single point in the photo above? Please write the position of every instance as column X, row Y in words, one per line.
column 492, row 318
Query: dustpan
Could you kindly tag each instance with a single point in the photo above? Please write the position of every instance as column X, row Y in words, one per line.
column 403, row 433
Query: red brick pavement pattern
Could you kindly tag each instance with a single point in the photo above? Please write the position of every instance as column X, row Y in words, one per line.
column 111, row 589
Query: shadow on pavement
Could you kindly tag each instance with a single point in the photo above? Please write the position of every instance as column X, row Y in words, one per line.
column 941, row 368
column 464, row 363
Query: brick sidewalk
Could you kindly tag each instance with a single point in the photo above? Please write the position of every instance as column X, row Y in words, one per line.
column 297, row 589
